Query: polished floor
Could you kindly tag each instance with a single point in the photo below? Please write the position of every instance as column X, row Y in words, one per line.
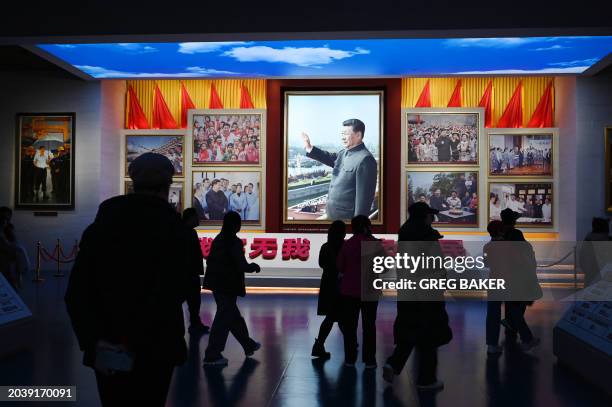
column 283, row 374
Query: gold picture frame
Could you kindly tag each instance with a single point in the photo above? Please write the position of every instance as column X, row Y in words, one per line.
column 552, row 132
column 530, row 187
column 223, row 170
column 379, row 195
column 260, row 113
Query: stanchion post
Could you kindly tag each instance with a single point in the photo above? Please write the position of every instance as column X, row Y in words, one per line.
column 58, row 273
column 37, row 278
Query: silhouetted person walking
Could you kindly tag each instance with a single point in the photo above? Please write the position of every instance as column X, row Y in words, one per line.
column 225, row 268
column 349, row 266
column 194, row 300
column 593, row 256
column 421, row 321
column 329, row 292
column 129, row 281
column 523, row 288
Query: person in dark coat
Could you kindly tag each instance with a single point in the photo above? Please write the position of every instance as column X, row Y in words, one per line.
column 216, row 200
column 443, row 144
column 421, row 323
column 127, row 286
column 225, row 268
column 329, row 293
column 523, row 286
column 191, row 221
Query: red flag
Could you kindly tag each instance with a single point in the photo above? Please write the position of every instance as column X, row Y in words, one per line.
column 186, row 104
column 485, row 102
column 245, row 98
column 425, row 98
column 136, row 117
column 455, row 100
column 513, row 113
column 215, row 100
column 162, row 118
column 543, row 114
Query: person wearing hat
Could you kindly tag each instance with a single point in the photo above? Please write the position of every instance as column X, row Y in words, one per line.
column 523, row 284
column 419, row 324
column 125, row 294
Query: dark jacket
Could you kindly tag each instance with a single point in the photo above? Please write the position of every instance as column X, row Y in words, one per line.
column 329, row 292
column 423, row 323
column 130, row 279
column 444, row 149
column 226, row 265
column 217, row 204
column 353, row 182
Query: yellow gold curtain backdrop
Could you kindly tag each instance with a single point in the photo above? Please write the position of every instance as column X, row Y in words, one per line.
column 199, row 91
column 473, row 88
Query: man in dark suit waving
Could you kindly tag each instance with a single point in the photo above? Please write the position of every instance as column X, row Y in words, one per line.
column 353, row 182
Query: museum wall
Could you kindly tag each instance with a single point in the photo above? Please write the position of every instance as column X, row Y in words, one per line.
column 593, row 113
column 112, row 120
column 44, row 93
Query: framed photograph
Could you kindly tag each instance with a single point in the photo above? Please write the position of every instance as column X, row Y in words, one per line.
column 534, row 200
column 453, row 193
column 176, row 198
column 227, row 137
column 608, row 152
column 45, row 161
column 442, row 136
column 526, row 153
column 169, row 144
column 333, row 156
column 217, row 192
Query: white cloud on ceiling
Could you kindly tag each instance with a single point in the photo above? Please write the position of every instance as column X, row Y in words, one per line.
column 203, row 47
column 577, row 62
column 192, row 71
column 551, row 48
column 566, row 70
column 304, row 56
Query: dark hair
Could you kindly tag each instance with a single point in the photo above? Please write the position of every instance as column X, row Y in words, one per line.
column 600, row 225
column 360, row 224
column 336, row 233
column 231, row 223
column 189, row 213
column 214, row 182
column 356, row 124
column 495, row 228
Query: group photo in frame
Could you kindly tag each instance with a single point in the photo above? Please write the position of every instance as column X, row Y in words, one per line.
column 453, row 193
column 176, row 196
column 448, row 136
column 527, row 153
column 231, row 137
column 533, row 200
column 45, row 149
column 214, row 193
column 333, row 155
column 169, row 144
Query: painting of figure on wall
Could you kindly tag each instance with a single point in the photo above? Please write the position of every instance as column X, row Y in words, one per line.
column 45, row 161
column 169, row 146
column 523, row 155
column 534, row 201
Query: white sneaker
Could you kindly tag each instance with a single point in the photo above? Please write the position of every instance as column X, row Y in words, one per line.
column 435, row 386
column 494, row 349
column 388, row 373
column 525, row 346
column 217, row 362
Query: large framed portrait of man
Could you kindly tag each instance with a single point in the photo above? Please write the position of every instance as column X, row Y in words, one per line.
column 534, row 201
column 45, row 161
column 169, row 143
column 521, row 153
column 217, row 192
column 453, row 193
column 448, row 136
column 227, row 137
column 333, row 159
column 176, row 195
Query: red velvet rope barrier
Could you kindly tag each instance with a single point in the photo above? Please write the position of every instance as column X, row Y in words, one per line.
column 46, row 256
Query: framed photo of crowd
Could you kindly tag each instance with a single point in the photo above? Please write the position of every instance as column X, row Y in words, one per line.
column 169, row 143
column 534, row 200
column 45, row 159
column 333, row 155
column 453, row 193
column 176, row 198
column 448, row 137
column 227, row 137
column 214, row 193
column 521, row 153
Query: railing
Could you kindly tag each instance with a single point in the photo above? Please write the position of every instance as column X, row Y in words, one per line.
column 57, row 256
column 575, row 265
